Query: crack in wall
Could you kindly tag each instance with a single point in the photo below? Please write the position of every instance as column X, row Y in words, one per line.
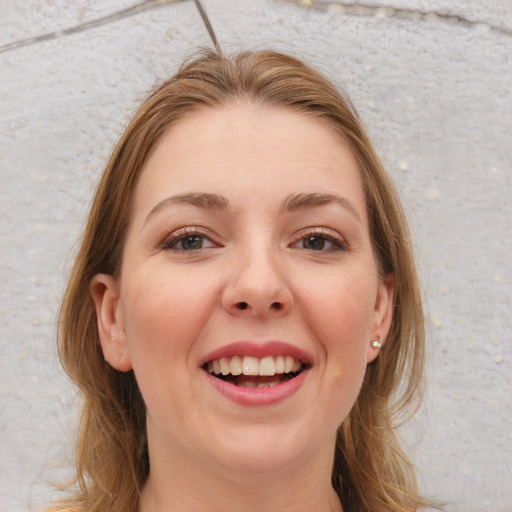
column 208, row 25
column 115, row 16
column 356, row 9
column 341, row 7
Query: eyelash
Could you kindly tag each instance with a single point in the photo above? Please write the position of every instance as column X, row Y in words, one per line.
column 338, row 243
column 181, row 234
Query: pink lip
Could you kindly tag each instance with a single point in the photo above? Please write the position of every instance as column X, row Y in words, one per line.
column 257, row 396
column 259, row 350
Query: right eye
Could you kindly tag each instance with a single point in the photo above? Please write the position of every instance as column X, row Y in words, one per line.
column 187, row 240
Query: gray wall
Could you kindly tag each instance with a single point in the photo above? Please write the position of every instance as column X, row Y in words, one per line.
column 432, row 80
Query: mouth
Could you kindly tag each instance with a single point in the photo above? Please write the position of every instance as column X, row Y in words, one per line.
column 253, row 372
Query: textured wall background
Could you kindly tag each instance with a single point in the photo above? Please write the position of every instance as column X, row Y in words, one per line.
column 432, row 80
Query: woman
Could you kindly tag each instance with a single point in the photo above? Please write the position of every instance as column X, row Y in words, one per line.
column 244, row 317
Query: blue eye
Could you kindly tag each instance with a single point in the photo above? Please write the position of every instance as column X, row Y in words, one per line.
column 184, row 240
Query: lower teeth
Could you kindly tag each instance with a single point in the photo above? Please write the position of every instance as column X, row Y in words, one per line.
column 257, row 383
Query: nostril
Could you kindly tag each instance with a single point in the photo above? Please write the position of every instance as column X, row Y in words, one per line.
column 276, row 306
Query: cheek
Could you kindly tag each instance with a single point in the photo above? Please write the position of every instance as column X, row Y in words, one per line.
column 344, row 337
column 341, row 312
column 164, row 315
column 340, row 316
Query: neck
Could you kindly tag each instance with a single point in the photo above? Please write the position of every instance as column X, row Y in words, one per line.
column 181, row 484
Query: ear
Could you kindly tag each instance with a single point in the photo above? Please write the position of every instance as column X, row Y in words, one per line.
column 382, row 314
column 111, row 328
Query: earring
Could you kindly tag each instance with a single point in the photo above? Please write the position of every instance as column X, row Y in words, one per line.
column 376, row 343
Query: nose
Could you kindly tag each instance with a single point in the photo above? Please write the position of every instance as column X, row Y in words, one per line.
column 257, row 287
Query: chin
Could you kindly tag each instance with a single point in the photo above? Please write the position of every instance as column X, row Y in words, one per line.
column 264, row 449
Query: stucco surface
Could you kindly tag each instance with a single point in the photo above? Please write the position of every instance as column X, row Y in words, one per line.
column 496, row 13
column 436, row 98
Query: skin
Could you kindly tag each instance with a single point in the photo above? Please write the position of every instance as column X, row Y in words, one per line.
column 170, row 307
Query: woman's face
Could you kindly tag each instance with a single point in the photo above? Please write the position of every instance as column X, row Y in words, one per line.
column 249, row 291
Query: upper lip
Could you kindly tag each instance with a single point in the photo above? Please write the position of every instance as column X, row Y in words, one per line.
column 259, row 350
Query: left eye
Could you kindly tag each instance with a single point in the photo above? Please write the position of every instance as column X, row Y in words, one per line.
column 316, row 243
column 319, row 242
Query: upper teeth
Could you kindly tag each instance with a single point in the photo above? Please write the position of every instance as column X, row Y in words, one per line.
column 248, row 365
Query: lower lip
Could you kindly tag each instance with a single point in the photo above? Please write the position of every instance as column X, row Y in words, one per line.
column 258, row 396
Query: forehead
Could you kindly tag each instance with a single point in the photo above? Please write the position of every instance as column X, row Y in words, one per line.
column 251, row 149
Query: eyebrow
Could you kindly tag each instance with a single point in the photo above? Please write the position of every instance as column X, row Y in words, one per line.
column 304, row 201
column 292, row 203
column 200, row 199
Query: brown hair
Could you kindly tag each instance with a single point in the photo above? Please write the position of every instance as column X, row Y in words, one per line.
column 370, row 471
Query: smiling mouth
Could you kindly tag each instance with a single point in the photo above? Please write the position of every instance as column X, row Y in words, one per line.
column 254, row 372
